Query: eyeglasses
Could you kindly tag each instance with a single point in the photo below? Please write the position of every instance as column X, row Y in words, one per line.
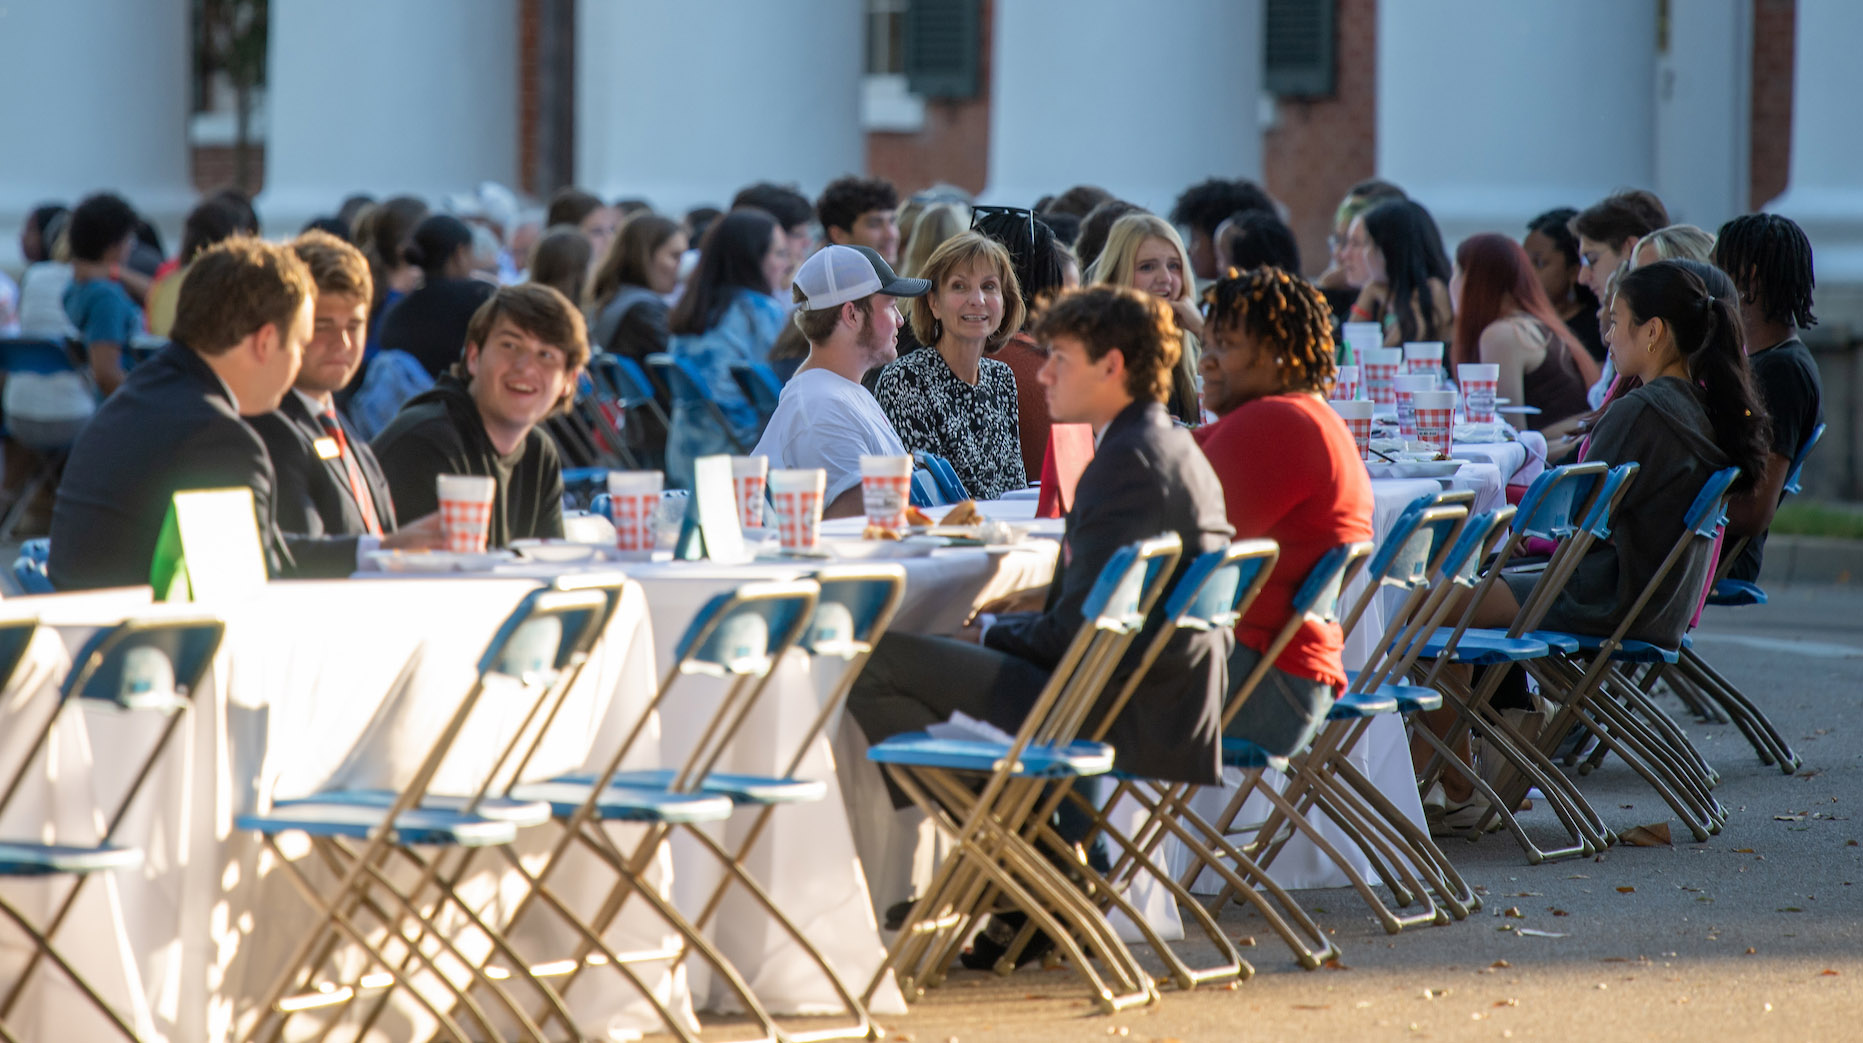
column 977, row 212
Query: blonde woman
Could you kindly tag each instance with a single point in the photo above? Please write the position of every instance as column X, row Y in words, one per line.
column 1674, row 243
column 1143, row 251
column 947, row 399
column 928, row 231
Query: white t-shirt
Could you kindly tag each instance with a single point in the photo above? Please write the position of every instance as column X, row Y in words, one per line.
column 828, row 421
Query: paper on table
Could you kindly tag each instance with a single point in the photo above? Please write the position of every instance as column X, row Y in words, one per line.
column 713, row 488
column 215, row 552
column 963, row 726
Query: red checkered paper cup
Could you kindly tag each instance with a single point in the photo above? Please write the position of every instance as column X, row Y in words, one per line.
column 797, row 497
column 1435, row 419
column 886, row 489
column 749, row 474
column 1345, row 384
column 1424, row 358
column 1357, row 416
column 1480, row 381
column 1380, row 367
column 465, row 511
column 634, row 505
column 1408, row 384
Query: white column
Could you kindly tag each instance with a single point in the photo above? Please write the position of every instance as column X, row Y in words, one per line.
column 1490, row 113
column 684, row 103
column 96, row 98
column 1704, row 106
column 1143, row 101
column 415, row 96
column 1825, row 191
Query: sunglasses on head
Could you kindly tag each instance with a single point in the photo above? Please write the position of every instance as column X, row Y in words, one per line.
column 978, row 212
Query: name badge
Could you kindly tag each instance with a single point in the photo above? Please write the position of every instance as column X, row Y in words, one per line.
column 326, row 448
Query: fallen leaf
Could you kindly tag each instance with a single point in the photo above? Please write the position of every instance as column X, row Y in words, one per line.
column 1313, row 1006
column 1513, row 911
column 1743, row 851
column 1526, row 894
column 1247, row 942
column 1827, row 973
column 1653, row 835
column 1788, row 818
column 1790, row 909
column 1500, row 964
column 1751, row 950
column 1334, row 965
column 1559, row 912
column 1509, row 1002
column 1625, row 890
column 1539, row 934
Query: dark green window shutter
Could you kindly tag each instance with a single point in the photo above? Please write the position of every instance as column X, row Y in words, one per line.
column 944, row 39
column 1298, row 48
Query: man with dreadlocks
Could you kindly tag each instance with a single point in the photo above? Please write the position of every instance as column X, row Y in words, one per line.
column 1769, row 259
column 1290, row 472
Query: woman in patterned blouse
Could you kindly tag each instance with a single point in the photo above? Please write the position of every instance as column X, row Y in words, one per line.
column 951, row 401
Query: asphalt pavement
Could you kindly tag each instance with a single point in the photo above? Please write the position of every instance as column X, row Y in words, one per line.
column 1756, row 934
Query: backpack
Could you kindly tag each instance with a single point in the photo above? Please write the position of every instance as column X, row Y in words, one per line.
column 392, row 379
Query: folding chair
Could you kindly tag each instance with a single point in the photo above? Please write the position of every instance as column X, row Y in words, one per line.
column 1556, row 507
column 950, row 487
column 992, row 858
column 761, row 387
column 925, row 491
column 623, row 388
column 1416, row 551
column 1595, row 693
column 737, row 638
column 689, row 388
column 151, row 665
column 1214, row 592
column 40, row 356
column 29, row 568
column 1703, row 687
column 360, row 836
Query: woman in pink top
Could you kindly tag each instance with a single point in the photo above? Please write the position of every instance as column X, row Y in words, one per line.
column 1291, row 473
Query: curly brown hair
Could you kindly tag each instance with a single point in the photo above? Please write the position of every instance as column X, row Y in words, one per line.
column 1140, row 326
column 1284, row 314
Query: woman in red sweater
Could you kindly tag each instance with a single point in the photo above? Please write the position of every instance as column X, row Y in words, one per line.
column 1290, row 472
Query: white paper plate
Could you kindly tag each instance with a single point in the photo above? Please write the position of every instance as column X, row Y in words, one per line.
column 1425, row 468
column 873, row 550
column 559, row 552
column 438, row 561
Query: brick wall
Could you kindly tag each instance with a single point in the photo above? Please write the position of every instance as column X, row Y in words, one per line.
column 214, row 167
column 1770, row 136
column 1319, row 148
column 954, row 144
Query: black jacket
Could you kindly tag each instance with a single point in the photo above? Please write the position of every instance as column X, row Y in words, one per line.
column 171, row 427
column 440, row 432
column 1147, row 478
column 312, row 494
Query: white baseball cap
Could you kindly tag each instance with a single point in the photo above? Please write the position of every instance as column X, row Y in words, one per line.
column 834, row 275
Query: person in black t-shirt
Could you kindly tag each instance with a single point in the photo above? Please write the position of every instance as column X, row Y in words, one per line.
column 1769, row 259
column 525, row 348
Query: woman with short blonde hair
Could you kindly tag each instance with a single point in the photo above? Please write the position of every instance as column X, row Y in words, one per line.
column 1144, row 251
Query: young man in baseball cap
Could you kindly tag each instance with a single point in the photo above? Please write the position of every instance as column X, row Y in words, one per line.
column 844, row 306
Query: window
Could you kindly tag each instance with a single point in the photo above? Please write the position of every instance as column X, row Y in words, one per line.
column 1298, row 48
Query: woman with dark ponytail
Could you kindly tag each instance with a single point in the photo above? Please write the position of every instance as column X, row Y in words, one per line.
column 1676, row 326
column 430, row 323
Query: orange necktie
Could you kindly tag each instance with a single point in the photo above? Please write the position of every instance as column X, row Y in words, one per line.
column 357, row 487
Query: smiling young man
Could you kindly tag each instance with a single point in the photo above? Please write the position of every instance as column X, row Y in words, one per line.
column 241, row 323
column 328, row 481
column 525, row 347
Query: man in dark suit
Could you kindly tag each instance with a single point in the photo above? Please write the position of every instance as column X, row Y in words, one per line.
column 1111, row 355
column 241, row 321
column 328, row 482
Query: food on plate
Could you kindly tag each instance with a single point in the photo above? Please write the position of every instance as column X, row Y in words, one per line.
column 914, row 516
column 965, row 513
column 878, row 532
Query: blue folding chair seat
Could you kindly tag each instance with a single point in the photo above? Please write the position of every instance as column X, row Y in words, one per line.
column 1483, row 647
column 1629, row 651
column 49, row 859
column 520, row 813
column 361, row 821
column 1077, row 758
column 739, row 789
column 29, row 569
column 1241, row 753
column 626, row 803
column 1736, row 593
column 950, row 487
column 1353, row 705
column 925, row 489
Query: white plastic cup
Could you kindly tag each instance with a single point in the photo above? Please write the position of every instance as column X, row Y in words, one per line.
column 634, row 507
column 1407, row 385
column 1435, row 419
column 1380, row 366
column 465, row 511
column 1345, row 385
column 1363, row 337
column 749, row 474
column 1424, row 357
column 797, row 497
column 1356, row 413
column 1480, row 381
column 886, row 489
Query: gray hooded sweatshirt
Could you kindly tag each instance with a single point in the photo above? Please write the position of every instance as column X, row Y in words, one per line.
column 1662, row 427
